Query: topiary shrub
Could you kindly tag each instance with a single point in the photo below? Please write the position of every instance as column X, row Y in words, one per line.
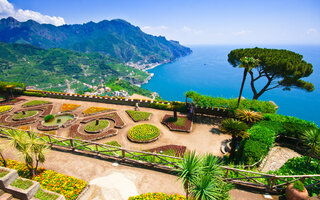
column 48, row 118
column 253, row 151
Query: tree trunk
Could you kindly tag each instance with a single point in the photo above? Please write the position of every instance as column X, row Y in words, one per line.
column 175, row 115
column 36, row 168
column 97, row 122
column 3, row 160
column 233, row 147
column 186, row 188
column 242, row 85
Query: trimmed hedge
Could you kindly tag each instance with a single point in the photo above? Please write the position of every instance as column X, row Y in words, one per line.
column 231, row 104
column 37, row 94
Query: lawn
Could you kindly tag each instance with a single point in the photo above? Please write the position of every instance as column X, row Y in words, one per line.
column 3, row 173
column 22, row 184
column 42, row 195
column 35, row 103
column 92, row 127
column 138, row 115
column 27, row 114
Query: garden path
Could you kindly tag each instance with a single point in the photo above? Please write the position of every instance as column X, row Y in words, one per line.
column 276, row 157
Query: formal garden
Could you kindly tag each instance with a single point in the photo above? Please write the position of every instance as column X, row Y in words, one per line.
column 252, row 126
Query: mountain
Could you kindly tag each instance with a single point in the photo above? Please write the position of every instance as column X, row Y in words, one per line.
column 65, row 70
column 116, row 38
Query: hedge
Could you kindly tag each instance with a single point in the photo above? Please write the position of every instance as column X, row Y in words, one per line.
column 157, row 196
column 231, row 104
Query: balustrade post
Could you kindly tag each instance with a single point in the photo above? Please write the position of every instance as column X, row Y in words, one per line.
column 227, row 173
column 154, row 159
column 72, row 145
column 50, row 141
column 97, row 149
column 303, row 179
column 123, row 153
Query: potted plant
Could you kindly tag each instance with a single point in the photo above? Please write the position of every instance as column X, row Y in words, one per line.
column 296, row 191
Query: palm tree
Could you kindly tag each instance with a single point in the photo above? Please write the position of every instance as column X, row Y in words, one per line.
column 237, row 130
column 311, row 138
column 31, row 149
column 3, row 160
column 248, row 63
column 189, row 169
column 206, row 188
column 211, row 165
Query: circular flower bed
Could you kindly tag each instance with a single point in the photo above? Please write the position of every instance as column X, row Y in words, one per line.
column 93, row 127
column 144, row 133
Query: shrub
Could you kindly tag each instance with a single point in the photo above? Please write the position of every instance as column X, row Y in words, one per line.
column 253, row 151
column 262, row 134
column 36, row 94
column 180, row 106
column 143, row 132
column 248, row 115
column 48, row 118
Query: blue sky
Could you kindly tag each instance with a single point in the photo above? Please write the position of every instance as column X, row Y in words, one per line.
column 188, row 21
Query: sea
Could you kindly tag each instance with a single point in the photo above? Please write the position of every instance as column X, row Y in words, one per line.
column 208, row 72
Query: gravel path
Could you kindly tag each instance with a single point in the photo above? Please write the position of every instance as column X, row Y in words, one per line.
column 276, row 157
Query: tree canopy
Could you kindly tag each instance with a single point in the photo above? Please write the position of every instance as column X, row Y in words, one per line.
column 281, row 68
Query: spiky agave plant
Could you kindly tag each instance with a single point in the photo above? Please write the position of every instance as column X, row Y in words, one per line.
column 248, row 116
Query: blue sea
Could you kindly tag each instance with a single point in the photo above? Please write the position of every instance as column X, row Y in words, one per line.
column 208, row 72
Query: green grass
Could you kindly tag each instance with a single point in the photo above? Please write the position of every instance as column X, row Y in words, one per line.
column 138, row 115
column 181, row 121
column 35, row 103
column 22, row 184
column 93, row 127
column 113, row 143
column 20, row 115
column 3, row 173
column 42, row 195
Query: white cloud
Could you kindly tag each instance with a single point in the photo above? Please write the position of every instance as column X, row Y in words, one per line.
column 242, row 32
column 311, row 31
column 190, row 30
column 154, row 28
column 7, row 9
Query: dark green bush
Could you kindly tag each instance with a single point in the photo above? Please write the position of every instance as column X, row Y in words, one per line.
column 180, row 106
column 37, row 94
column 48, row 118
column 253, row 151
column 231, row 104
column 262, row 134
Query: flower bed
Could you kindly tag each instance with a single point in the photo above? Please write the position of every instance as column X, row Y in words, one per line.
column 25, row 128
column 43, row 195
column 170, row 150
column 35, row 103
column 68, row 186
column 74, row 133
column 5, row 109
column 182, row 124
column 96, row 110
column 119, row 123
column 138, row 115
column 12, row 101
column 69, row 107
column 28, row 114
column 22, row 184
column 158, row 196
column 144, row 133
column 93, row 128
column 3, row 173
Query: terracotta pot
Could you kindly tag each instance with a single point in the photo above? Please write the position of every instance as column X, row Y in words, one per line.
column 294, row 194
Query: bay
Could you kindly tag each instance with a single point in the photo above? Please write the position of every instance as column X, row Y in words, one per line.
column 208, row 72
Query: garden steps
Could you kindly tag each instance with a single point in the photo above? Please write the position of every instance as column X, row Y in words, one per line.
column 9, row 192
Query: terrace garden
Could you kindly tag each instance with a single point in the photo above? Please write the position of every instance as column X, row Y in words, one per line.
column 53, row 122
column 138, row 115
column 143, row 133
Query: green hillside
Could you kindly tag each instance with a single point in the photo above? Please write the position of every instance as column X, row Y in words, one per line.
column 61, row 69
